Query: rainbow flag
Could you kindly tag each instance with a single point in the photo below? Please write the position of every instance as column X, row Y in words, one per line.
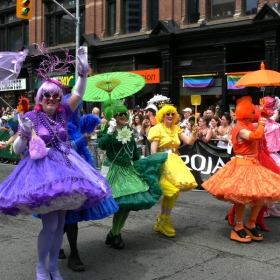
column 198, row 81
column 232, row 80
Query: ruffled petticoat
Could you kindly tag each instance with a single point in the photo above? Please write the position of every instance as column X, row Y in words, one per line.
column 175, row 176
column 103, row 210
column 48, row 184
column 244, row 181
column 136, row 187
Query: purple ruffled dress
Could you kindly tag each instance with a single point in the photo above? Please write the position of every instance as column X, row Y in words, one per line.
column 59, row 181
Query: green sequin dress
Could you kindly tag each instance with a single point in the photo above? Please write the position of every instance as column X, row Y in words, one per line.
column 134, row 182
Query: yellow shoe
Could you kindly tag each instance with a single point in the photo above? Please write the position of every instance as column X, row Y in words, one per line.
column 158, row 222
column 166, row 227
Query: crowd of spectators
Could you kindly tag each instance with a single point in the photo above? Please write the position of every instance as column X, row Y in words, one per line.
column 214, row 127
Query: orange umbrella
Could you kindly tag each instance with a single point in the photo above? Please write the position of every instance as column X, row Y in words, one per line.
column 260, row 78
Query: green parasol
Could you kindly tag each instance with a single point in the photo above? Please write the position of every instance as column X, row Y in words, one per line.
column 112, row 85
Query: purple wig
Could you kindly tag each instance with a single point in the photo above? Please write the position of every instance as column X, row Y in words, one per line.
column 49, row 86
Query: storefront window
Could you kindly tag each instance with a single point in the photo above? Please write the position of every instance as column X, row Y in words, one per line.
column 153, row 13
column 67, row 29
column 132, row 16
column 193, row 11
column 222, row 8
column 61, row 28
column 251, row 7
column 15, row 38
column 12, row 38
column 111, row 17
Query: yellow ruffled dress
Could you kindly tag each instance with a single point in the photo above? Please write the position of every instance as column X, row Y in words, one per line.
column 175, row 175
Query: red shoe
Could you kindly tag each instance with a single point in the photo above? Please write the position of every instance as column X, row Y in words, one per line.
column 230, row 216
column 260, row 220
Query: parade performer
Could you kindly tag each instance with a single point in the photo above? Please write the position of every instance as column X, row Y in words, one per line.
column 51, row 178
column 268, row 157
column 270, row 145
column 165, row 138
column 135, row 184
column 243, row 180
column 78, row 131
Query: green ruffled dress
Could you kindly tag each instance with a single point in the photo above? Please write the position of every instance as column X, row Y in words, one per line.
column 135, row 182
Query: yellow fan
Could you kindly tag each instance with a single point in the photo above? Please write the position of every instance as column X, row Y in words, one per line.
column 195, row 101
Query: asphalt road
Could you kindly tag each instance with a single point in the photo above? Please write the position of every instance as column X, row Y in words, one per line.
column 201, row 249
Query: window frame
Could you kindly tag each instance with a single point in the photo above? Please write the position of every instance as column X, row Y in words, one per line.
column 222, row 12
column 57, row 13
column 150, row 14
column 109, row 17
column 189, row 11
column 124, row 27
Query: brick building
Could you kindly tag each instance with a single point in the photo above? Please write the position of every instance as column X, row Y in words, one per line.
column 191, row 38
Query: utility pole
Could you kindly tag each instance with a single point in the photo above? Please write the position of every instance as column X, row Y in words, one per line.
column 77, row 22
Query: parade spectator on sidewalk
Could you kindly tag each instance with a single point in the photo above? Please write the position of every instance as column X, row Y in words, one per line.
column 187, row 114
column 151, row 111
column 136, row 127
column 204, row 130
column 165, row 138
column 51, row 178
column 146, row 125
column 224, row 131
column 215, row 124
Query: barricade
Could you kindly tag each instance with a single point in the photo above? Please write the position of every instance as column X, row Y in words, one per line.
column 203, row 160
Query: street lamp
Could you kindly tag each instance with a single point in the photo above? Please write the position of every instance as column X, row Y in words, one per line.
column 77, row 22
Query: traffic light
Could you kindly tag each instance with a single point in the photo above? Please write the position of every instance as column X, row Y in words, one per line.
column 24, row 9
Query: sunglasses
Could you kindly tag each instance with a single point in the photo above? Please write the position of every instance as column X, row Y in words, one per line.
column 54, row 95
column 170, row 114
column 121, row 114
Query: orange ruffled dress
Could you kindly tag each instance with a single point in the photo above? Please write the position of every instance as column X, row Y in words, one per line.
column 243, row 180
column 175, row 175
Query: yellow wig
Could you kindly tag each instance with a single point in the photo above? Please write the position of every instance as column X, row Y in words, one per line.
column 167, row 109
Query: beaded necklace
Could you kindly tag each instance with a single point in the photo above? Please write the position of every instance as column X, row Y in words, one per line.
column 52, row 126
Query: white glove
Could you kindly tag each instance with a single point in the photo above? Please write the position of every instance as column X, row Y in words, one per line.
column 83, row 70
column 112, row 126
column 26, row 124
column 83, row 67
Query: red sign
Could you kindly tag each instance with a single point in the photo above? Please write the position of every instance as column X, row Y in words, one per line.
column 152, row 76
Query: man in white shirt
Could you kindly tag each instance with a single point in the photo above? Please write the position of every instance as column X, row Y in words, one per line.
column 187, row 114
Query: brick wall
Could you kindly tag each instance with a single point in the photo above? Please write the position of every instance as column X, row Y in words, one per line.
column 96, row 22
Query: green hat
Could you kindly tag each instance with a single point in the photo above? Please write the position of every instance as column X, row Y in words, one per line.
column 117, row 107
